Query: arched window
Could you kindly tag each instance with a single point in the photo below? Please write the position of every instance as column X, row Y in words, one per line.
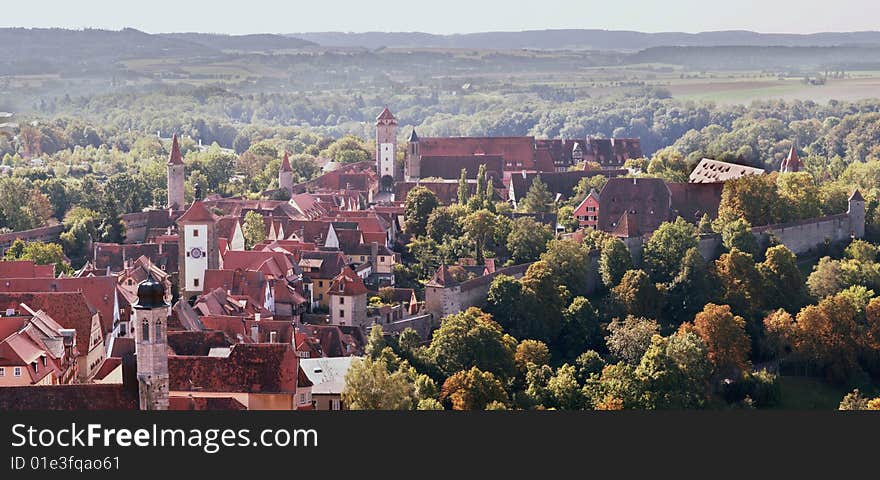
column 158, row 330
column 146, row 329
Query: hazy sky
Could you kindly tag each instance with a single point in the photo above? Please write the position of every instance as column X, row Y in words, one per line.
column 444, row 16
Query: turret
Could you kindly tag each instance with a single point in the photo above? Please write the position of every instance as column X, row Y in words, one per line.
column 412, row 162
column 856, row 212
column 386, row 149
column 176, row 176
column 151, row 344
column 285, row 174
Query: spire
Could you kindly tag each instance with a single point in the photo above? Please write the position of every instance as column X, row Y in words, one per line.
column 175, row 158
column 413, row 137
column 856, row 196
column 285, row 163
column 792, row 162
column 386, row 116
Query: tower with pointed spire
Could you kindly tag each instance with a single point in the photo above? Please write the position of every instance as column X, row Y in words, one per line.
column 791, row 163
column 176, row 176
column 386, row 149
column 151, row 349
column 285, row 174
column 413, row 157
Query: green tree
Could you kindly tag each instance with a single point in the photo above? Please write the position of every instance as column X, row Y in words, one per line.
column 580, row 329
column 783, row 282
column 738, row 234
column 479, row 227
column 473, row 389
column 565, row 218
column 565, row 390
column 420, row 203
column 370, row 386
column 527, row 240
column 628, row 340
column 39, row 253
column 445, row 222
column 637, row 295
column 614, row 261
column 569, row 263
column 666, row 248
column 463, row 188
column 538, row 199
column 674, row 373
column 740, row 283
column 472, row 339
column 691, row 289
column 253, row 228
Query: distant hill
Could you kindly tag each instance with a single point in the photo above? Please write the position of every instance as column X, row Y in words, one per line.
column 243, row 43
column 585, row 39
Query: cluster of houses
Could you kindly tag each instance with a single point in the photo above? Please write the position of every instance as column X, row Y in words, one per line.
column 185, row 315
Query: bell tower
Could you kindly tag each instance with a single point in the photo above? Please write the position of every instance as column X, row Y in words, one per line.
column 175, row 176
column 197, row 242
column 386, row 149
column 151, row 349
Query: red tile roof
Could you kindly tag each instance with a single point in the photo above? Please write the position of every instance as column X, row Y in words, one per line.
column 249, row 368
column 520, row 151
column 198, row 213
column 175, row 158
column 69, row 397
column 25, row 269
column 285, row 163
column 647, row 200
column 68, row 309
column 347, row 283
column 386, row 115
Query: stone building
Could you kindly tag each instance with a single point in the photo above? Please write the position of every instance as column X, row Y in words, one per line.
column 151, row 345
column 175, row 176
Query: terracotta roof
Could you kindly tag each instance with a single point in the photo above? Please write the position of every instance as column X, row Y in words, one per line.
column 347, row 284
column 249, row 368
column 792, row 163
column 68, row 309
column 196, row 343
column 197, row 213
column 519, row 152
column 693, row 200
column 449, row 166
column 204, row 403
column 330, row 340
column 98, row 291
column 647, row 200
column 175, row 158
column 562, row 183
column 442, row 278
column 285, row 163
column 386, row 115
column 327, row 264
column 69, row 397
column 711, row 171
column 25, row 269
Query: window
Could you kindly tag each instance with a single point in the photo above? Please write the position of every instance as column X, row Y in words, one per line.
column 196, row 282
column 44, row 361
column 36, row 367
column 195, row 233
column 158, row 330
column 146, row 330
column 302, row 398
column 381, row 259
column 320, row 283
column 335, row 404
column 16, row 371
column 2, row 371
column 342, row 300
column 342, row 314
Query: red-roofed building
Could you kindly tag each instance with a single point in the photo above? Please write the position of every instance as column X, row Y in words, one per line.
column 587, row 212
column 348, row 299
column 25, row 269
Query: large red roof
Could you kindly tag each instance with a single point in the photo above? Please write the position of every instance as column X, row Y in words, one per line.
column 347, row 283
column 197, row 213
column 518, row 152
column 175, row 158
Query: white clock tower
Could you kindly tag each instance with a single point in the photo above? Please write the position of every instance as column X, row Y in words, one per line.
column 197, row 241
column 386, row 150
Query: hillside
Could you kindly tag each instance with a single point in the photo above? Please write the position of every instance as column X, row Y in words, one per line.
column 584, row 39
column 243, row 43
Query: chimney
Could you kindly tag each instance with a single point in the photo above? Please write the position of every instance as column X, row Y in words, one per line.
column 255, row 333
column 374, row 253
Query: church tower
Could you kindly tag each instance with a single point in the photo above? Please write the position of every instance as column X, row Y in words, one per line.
column 175, row 176
column 197, row 242
column 386, row 149
column 412, row 162
column 791, row 163
column 151, row 349
column 285, row 174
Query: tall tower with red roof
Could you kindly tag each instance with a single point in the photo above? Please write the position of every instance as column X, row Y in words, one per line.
column 386, row 149
column 175, row 176
column 197, row 243
column 285, row 174
column 791, row 163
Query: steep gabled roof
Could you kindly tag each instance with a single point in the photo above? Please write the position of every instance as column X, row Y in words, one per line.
column 347, row 284
column 857, row 196
column 175, row 158
column 386, row 115
column 285, row 163
column 792, row 163
column 197, row 213
column 442, row 278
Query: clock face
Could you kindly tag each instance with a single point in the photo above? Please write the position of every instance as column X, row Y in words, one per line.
column 196, row 252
